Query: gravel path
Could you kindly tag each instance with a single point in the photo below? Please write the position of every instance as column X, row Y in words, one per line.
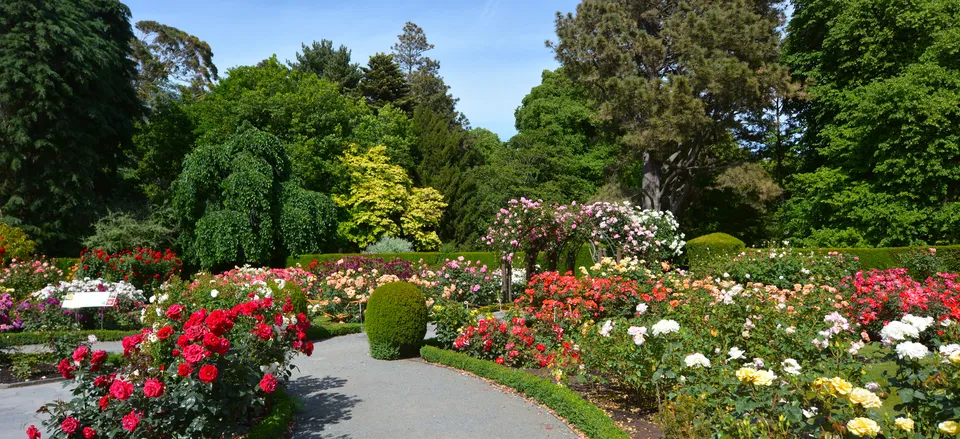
column 348, row 395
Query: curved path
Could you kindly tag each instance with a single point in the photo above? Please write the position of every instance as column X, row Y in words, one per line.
column 348, row 395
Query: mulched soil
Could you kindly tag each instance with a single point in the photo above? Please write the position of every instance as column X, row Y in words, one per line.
column 629, row 414
column 42, row 371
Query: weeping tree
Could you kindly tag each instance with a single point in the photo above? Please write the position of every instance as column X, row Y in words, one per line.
column 237, row 203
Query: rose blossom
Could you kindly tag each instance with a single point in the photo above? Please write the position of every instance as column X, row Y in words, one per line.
column 153, row 388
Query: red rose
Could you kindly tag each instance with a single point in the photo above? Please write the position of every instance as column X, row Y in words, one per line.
column 33, row 433
column 264, row 332
column 268, row 383
column 208, row 373
column 89, row 433
column 104, row 402
column 164, row 332
column 175, row 312
column 97, row 360
column 70, row 425
column 66, row 369
column 130, row 421
column 183, row 369
column 80, row 354
column 193, row 354
column 153, row 388
column 121, row 389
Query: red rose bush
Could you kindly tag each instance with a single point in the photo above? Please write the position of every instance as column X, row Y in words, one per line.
column 206, row 373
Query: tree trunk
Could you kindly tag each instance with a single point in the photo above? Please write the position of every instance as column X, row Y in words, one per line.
column 650, row 191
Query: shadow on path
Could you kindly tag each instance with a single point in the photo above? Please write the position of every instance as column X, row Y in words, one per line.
column 321, row 408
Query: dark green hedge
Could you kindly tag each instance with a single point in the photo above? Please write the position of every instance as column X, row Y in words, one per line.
column 568, row 405
column 25, row 338
column 278, row 421
column 491, row 259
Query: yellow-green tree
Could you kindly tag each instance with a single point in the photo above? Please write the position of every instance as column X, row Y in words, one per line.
column 382, row 199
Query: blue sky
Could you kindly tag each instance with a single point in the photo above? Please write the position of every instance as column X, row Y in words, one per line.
column 491, row 52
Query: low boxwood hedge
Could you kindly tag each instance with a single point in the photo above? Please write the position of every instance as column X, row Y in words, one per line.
column 567, row 404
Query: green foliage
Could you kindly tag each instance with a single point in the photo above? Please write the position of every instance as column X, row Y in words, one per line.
column 68, row 103
column 396, row 321
column 237, row 203
column 383, row 84
column 309, row 115
column 14, row 243
column 389, row 244
column 381, row 200
column 706, row 248
column 883, row 122
column 715, row 64
column 122, row 231
column 321, row 59
column 566, row 403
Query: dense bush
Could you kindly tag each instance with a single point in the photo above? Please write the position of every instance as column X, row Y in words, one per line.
column 144, row 268
column 121, row 231
column 390, row 244
column 25, row 277
column 396, row 321
column 14, row 243
column 208, row 373
column 707, row 248
column 784, row 267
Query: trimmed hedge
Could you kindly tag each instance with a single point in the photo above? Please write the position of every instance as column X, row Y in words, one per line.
column 396, row 320
column 491, row 259
column 568, row 405
column 703, row 249
column 278, row 421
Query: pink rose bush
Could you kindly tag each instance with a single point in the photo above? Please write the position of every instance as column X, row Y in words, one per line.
column 194, row 373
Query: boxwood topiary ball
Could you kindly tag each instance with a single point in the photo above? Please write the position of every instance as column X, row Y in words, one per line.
column 396, row 321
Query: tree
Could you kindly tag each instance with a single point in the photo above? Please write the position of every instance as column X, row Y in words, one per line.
column 383, row 84
column 882, row 123
column 309, row 115
column 382, row 200
column 675, row 78
column 171, row 60
column 321, row 59
column 67, row 106
column 238, row 203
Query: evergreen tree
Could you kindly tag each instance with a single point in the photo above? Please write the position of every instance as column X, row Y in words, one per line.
column 67, row 111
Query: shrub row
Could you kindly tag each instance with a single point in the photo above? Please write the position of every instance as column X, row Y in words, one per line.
column 570, row 406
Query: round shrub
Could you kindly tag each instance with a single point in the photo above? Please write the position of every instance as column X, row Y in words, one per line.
column 704, row 249
column 396, row 321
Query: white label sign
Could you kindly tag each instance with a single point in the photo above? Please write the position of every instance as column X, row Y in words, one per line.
column 89, row 300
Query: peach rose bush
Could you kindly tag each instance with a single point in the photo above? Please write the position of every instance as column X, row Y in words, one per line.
column 194, row 373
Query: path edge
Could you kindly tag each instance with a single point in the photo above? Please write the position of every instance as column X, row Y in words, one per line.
column 565, row 403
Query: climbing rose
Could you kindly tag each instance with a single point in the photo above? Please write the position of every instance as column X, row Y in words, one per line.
column 130, row 421
column 70, row 425
column 268, row 383
column 153, row 388
column 208, row 373
column 33, row 433
column 89, row 433
column 121, row 389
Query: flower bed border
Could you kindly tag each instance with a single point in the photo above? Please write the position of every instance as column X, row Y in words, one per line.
column 278, row 421
column 566, row 403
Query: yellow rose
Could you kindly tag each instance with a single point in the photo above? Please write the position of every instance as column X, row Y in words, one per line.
column 865, row 398
column 839, row 386
column 955, row 357
column 905, row 424
column 863, row 427
column 746, row 374
column 949, row 427
column 763, row 378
